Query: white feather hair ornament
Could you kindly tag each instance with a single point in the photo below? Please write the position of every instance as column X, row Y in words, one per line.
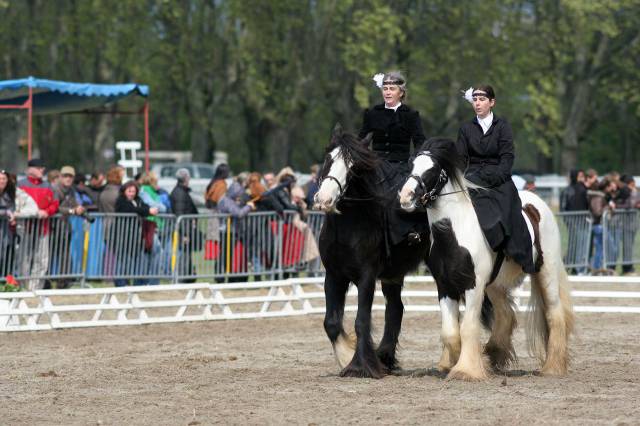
column 378, row 78
column 468, row 94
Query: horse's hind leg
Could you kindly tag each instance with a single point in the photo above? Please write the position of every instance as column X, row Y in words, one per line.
column 335, row 290
column 551, row 318
column 499, row 348
column 394, row 311
column 365, row 363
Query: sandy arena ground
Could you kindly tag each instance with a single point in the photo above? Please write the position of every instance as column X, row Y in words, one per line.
column 281, row 371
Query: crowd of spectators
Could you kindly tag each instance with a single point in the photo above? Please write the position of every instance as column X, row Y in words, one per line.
column 587, row 191
column 72, row 195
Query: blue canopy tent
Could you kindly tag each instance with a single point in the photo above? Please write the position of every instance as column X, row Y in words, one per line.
column 41, row 97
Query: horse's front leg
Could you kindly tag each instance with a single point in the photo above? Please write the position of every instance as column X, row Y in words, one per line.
column 471, row 364
column 365, row 363
column 450, row 333
column 392, row 289
column 335, row 290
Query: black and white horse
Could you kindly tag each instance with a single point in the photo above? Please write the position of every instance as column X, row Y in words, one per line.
column 462, row 264
column 353, row 249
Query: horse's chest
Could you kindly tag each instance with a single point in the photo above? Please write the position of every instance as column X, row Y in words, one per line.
column 450, row 263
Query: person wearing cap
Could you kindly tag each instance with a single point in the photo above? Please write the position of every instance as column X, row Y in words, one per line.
column 65, row 253
column 36, row 261
column 395, row 128
column 486, row 142
column 66, row 194
column 190, row 237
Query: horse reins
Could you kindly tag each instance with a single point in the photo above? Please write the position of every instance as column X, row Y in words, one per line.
column 430, row 196
column 342, row 190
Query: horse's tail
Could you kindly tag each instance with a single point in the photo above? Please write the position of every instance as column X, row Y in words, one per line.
column 551, row 319
column 537, row 330
column 542, row 342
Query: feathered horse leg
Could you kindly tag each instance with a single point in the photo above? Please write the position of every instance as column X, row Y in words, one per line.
column 450, row 334
column 471, row 364
column 392, row 323
column 365, row 363
column 335, row 290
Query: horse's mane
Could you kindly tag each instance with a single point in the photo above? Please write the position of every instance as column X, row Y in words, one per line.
column 445, row 153
column 354, row 150
column 364, row 163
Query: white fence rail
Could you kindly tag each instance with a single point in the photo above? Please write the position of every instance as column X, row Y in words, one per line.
column 52, row 309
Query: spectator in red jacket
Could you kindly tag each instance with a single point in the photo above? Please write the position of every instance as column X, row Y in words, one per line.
column 35, row 261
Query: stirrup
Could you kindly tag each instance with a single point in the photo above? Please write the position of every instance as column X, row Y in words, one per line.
column 413, row 238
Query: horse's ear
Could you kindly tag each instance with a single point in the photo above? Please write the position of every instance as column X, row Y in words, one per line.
column 337, row 130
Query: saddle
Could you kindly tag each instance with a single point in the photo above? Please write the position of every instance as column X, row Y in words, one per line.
column 532, row 219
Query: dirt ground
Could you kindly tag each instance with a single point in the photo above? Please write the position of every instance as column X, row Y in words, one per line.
column 277, row 371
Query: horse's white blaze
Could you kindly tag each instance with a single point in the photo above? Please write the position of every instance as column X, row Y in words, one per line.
column 327, row 195
column 421, row 164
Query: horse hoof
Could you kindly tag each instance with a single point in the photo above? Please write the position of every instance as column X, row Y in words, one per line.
column 552, row 372
column 467, row 376
column 500, row 358
column 389, row 362
column 398, row 371
column 362, row 373
column 443, row 368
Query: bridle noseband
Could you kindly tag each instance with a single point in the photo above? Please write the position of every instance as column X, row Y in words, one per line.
column 429, row 197
column 340, row 188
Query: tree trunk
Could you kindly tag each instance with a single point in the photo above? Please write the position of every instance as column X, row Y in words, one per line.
column 587, row 79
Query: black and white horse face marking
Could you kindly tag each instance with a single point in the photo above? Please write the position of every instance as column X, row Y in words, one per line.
column 423, row 168
column 333, row 182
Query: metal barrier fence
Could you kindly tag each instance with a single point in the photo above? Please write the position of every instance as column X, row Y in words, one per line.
column 126, row 248
column 129, row 249
column 575, row 233
column 218, row 246
column 619, row 245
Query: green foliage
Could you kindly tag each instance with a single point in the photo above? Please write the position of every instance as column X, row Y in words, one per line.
column 267, row 80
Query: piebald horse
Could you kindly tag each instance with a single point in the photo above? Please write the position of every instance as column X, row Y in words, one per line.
column 353, row 249
column 462, row 264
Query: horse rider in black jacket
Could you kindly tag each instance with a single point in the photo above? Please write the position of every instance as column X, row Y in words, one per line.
column 395, row 127
column 487, row 143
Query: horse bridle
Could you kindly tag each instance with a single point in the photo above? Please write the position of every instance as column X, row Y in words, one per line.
column 340, row 188
column 429, row 197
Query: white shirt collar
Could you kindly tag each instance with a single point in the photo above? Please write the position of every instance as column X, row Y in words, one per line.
column 395, row 108
column 485, row 123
